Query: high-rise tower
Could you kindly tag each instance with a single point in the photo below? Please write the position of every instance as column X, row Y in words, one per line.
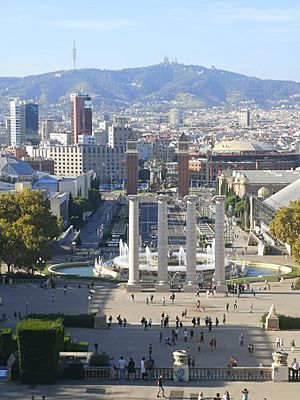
column 132, row 165
column 81, row 115
column 183, row 166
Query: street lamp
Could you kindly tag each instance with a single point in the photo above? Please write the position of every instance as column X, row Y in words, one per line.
column 26, row 307
column 40, row 263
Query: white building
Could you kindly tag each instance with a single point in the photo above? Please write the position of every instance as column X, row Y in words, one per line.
column 244, row 118
column 119, row 132
column 17, row 122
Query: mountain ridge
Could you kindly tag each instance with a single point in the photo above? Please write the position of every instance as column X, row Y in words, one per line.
column 207, row 86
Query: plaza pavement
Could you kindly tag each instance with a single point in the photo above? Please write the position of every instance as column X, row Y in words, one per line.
column 73, row 390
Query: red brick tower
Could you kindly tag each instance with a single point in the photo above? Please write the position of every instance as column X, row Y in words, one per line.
column 183, row 166
column 132, row 165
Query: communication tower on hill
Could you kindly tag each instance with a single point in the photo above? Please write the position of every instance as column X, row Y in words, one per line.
column 74, row 55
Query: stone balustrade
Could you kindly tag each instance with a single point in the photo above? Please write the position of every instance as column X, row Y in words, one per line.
column 196, row 374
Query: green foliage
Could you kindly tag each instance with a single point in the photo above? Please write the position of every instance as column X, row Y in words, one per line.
column 297, row 284
column 169, row 82
column 73, row 371
column 296, row 249
column 286, row 223
column 69, row 321
column 77, row 346
column 231, row 201
column 94, row 198
column 39, row 343
column 7, row 345
column 99, row 360
column 27, row 227
column 285, row 321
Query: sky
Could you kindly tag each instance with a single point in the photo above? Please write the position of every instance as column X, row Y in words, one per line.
column 254, row 37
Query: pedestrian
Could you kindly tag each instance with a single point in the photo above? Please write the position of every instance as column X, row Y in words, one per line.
column 160, row 336
column 198, row 345
column 150, row 350
column 132, row 297
column 226, row 395
column 122, row 368
column 131, row 369
column 201, row 396
column 112, row 368
column 245, row 393
column 53, row 297
column 151, row 298
column 160, row 387
column 217, row 322
column 281, row 343
column 277, row 342
column 227, row 307
column 43, row 397
column 251, row 349
column 150, row 323
column 235, row 305
column 201, row 337
column 224, row 319
column 143, row 368
column 293, row 344
column 149, row 367
column 96, row 345
column 124, row 322
column 217, row 396
column 211, row 343
column 147, row 301
column 251, row 308
column 241, row 339
column 193, row 362
column 163, row 301
column 215, row 343
column 191, row 333
column 295, row 370
column 185, row 335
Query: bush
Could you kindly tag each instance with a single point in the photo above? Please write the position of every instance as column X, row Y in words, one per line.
column 297, row 284
column 99, row 360
column 38, row 345
column 285, row 321
column 69, row 321
column 73, row 371
column 77, row 346
column 7, row 345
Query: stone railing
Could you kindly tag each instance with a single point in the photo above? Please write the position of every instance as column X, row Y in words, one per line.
column 231, row 374
column 196, row 374
column 294, row 377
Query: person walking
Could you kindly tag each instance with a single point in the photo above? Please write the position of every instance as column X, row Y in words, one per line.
column 277, row 342
column 293, row 344
column 235, row 305
column 224, row 319
column 132, row 297
column 241, row 339
column 185, row 335
column 112, row 368
column 163, row 300
column 227, row 307
column 245, row 394
column 295, row 370
column 217, row 396
column 226, row 395
column 201, row 396
column 198, row 345
column 161, row 387
column 201, row 337
column 131, row 369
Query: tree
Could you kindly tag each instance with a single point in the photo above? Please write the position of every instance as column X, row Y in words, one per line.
column 296, row 250
column 27, row 227
column 286, row 223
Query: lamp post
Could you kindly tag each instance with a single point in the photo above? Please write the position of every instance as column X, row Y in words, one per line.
column 40, row 263
column 26, row 308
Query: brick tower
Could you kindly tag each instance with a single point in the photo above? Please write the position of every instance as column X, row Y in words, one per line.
column 183, row 166
column 132, row 165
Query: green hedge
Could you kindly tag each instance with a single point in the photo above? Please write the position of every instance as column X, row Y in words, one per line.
column 285, row 321
column 69, row 321
column 7, row 345
column 99, row 360
column 39, row 343
column 73, row 371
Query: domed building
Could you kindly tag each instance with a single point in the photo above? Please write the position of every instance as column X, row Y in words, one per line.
column 263, row 192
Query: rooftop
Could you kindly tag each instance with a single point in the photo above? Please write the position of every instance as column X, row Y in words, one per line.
column 240, row 146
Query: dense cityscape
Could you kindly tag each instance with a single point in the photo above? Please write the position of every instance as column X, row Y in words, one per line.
column 150, row 222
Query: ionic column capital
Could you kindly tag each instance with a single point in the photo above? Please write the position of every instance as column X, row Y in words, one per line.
column 219, row 199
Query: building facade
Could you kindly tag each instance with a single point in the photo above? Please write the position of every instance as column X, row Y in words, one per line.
column 81, row 115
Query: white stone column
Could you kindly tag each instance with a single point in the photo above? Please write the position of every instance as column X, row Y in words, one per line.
column 133, row 284
column 220, row 243
column 162, row 284
column 191, row 244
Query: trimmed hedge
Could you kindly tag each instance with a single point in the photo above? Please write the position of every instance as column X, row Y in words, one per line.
column 39, row 343
column 69, row 321
column 285, row 321
column 73, row 371
column 7, row 345
column 99, row 360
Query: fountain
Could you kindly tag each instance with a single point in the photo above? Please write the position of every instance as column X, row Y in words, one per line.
column 181, row 257
column 148, row 257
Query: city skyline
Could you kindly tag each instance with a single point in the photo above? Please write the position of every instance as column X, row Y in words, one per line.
column 256, row 40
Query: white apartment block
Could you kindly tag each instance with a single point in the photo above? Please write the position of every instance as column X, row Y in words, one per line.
column 119, row 132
